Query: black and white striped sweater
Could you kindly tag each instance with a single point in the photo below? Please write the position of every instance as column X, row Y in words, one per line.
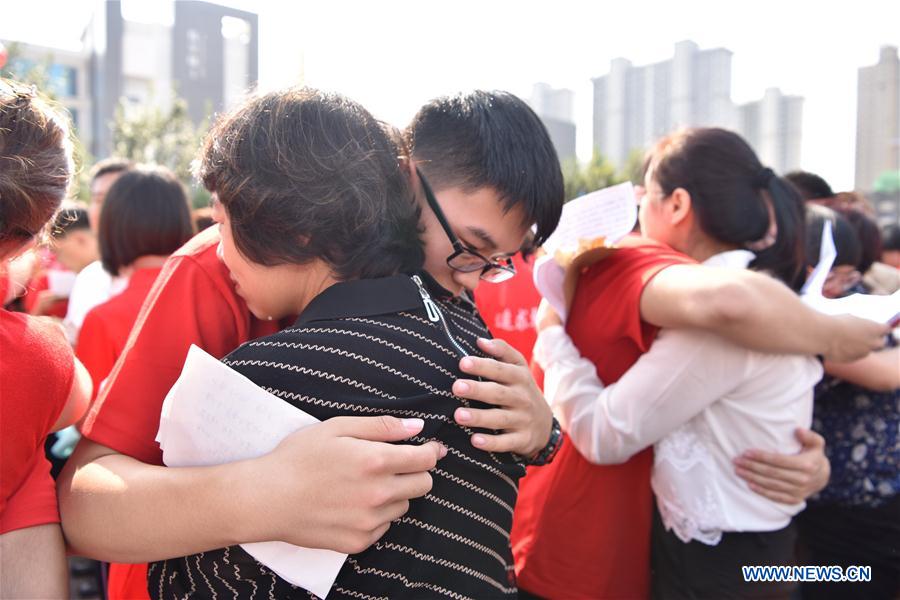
column 374, row 347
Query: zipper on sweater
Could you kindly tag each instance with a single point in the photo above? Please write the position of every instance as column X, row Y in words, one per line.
column 435, row 315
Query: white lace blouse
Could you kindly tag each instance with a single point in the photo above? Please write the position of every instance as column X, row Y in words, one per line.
column 700, row 400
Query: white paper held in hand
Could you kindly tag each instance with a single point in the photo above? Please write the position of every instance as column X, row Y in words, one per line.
column 609, row 213
column 882, row 309
column 214, row 415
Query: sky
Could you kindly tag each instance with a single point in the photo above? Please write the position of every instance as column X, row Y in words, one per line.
column 394, row 56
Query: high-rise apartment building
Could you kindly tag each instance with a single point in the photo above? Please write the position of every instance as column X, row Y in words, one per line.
column 555, row 107
column 636, row 105
column 773, row 127
column 878, row 119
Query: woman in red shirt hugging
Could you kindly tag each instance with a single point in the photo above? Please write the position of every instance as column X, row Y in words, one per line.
column 145, row 218
column 698, row 399
column 42, row 387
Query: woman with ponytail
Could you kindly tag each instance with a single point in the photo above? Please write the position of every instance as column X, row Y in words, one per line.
column 699, row 400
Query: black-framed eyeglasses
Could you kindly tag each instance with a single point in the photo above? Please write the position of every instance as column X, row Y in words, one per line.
column 466, row 260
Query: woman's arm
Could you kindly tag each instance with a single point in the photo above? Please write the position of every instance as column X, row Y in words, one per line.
column 78, row 400
column 786, row 478
column 879, row 371
column 755, row 311
column 682, row 373
column 33, row 563
column 334, row 485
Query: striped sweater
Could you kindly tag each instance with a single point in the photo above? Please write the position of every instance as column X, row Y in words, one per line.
column 370, row 347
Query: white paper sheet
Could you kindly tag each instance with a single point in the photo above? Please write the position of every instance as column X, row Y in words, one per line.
column 60, row 282
column 610, row 213
column 882, row 309
column 214, row 415
column 827, row 253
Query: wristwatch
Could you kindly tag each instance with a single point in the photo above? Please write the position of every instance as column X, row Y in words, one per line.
column 546, row 454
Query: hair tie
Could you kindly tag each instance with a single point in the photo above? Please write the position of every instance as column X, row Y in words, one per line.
column 763, row 178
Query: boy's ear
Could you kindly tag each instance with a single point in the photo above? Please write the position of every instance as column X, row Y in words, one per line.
column 408, row 165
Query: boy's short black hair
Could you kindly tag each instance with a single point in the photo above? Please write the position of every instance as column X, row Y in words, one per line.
column 810, row 185
column 490, row 139
column 145, row 213
column 111, row 165
column 71, row 217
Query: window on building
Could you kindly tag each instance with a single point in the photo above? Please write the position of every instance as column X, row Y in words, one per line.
column 196, row 54
column 234, row 28
column 63, row 80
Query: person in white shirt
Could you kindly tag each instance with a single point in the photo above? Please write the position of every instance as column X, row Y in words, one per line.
column 93, row 285
column 699, row 399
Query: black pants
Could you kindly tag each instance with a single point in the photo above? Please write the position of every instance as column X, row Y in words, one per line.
column 696, row 570
column 852, row 535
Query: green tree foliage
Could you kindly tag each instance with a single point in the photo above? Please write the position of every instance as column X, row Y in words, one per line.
column 888, row 182
column 633, row 170
column 599, row 173
column 166, row 137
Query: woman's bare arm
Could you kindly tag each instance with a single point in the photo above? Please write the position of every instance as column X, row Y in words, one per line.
column 755, row 311
column 879, row 371
column 334, row 485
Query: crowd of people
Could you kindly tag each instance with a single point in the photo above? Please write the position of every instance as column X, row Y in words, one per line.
column 690, row 416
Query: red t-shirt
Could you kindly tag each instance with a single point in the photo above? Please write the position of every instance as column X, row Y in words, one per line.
column 509, row 308
column 35, row 286
column 582, row 530
column 106, row 327
column 4, row 285
column 36, row 372
column 192, row 301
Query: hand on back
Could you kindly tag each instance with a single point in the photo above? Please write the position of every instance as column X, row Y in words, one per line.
column 338, row 485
